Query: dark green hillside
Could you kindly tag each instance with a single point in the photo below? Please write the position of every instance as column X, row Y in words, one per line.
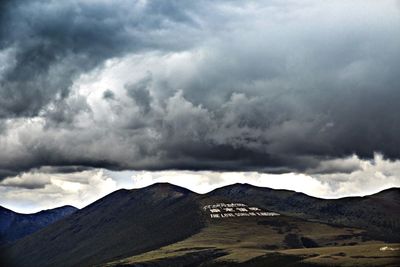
column 268, row 241
column 378, row 213
column 123, row 223
column 166, row 225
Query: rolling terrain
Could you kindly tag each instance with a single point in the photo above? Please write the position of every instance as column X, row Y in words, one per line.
column 166, row 225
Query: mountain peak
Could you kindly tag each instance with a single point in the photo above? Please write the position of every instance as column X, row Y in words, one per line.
column 389, row 194
column 237, row 185
column 131, row 221
column 241, row 185
column 167, row 187
column 237, row 188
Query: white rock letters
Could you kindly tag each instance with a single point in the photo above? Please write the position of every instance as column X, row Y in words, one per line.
column 230, row 210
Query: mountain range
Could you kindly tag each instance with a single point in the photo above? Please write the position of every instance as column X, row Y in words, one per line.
column 236, row 225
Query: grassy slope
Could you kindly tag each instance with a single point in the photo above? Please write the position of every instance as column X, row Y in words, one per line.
column 165, row 224
column 245, row 239
column 122, row 223
column 360, row 255
column 375, row 213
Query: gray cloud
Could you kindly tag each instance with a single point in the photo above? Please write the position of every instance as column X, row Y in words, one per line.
column 35, row 191
column 211, row 85
column 109, row 94
column 140, row 93
column 46, row 45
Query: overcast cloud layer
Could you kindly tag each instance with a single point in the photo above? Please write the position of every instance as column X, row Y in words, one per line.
column 264, row 86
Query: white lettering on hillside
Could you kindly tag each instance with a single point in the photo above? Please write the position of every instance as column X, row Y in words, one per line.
column 230, row 210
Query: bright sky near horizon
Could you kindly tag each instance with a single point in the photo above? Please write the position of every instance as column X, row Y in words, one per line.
column 50, row 190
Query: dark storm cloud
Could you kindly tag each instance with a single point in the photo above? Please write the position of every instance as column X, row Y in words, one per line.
column 62, row 169
column 216, row 85
column 30, row 184
column 47, row 44
column 7, row 173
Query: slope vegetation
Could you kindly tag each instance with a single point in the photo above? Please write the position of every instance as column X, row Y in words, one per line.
column 377, row 213
column 123, row 223
column 237, row 225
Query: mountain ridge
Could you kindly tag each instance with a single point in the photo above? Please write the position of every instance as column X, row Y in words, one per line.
column 130, row 222
column 121, row 223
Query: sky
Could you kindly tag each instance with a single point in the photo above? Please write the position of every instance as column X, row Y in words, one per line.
column 97, row 95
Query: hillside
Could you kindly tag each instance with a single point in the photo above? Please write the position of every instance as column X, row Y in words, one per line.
column 375, row 213
column 14, row 226
column 123, row 223
column 283, row 241
column 243, row 225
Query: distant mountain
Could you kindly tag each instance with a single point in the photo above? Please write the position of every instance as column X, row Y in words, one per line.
column 14, row 226
column 167, row 225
